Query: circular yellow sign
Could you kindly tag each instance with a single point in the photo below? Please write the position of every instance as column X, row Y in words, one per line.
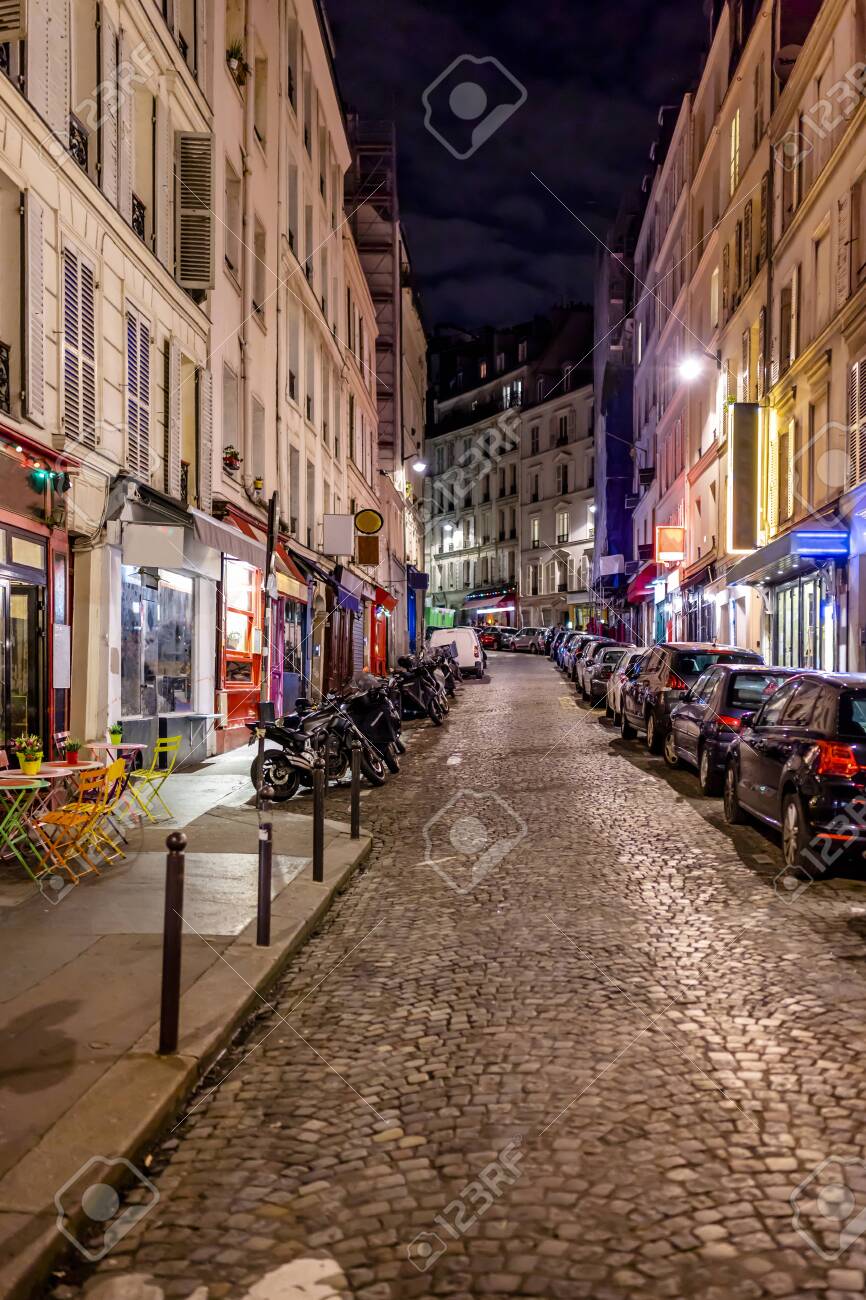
column 369, row 522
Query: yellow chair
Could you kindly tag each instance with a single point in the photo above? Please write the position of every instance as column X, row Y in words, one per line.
column 115, row 785
column 65, row 830
column 150, row 780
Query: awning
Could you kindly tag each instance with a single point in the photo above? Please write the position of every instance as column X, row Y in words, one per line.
column 416, row 579
column 794, row 553
column 489, row 604
column 699, row 574
column 385, row 599
column 358, row 586
column 231, row 541
column 640, row 587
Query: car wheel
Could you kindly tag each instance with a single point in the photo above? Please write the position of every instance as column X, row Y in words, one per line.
column 533, row 649
column 733, row 811
column 671, row 756
column 794, row 831
column 653, row 737
column 479, row 672
column 626, row 730
column 707, row 773
column 608, row 711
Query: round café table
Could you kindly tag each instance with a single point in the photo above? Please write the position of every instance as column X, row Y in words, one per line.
column 115, row 747
column 18, row 793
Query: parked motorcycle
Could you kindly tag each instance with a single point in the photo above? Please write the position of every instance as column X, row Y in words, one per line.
column 299, row 740
column 374, row 712
column 420, row 693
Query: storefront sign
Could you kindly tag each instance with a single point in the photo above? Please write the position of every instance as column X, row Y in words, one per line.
column 367, row 550
column 670, row 544
column 818, row 543
column 338, row 535
column 743, row 482
column 369, row 522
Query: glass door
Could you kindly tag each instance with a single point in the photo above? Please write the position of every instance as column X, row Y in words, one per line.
column 23, row 670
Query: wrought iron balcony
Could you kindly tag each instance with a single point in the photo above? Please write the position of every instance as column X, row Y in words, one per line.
column 78, row 141
column 5, row 379
column 139, row 217
column 184, row 481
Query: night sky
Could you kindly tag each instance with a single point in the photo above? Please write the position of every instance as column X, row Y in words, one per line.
column 488, row 243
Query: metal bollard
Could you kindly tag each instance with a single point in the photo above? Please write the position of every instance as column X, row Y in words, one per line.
column 263, row 918
column 169, row 1011
column 319, row 821
column 356, row 788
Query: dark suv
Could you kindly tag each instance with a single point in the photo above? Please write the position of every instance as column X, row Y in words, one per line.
column 799, row 763
column 666, row 674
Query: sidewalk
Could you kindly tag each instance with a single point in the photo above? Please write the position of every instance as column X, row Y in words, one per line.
column 80, row 980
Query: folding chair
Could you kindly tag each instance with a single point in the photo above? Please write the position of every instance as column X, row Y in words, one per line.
column 65, row 830
column 150, row 780
column 115, row 784
column 59, row 739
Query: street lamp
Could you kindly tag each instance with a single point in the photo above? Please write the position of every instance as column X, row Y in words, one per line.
column 419, row 466
column 692, row 366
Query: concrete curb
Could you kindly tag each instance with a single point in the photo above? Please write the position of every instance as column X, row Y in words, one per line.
column 132, row 1103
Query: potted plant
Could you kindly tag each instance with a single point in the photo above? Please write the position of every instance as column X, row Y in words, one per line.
column 29, row 752
column 115, row 732
column 71, row 751
column 231, row 459
column 235, row 55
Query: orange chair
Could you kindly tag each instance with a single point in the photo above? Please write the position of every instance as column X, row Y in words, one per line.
column 65, row 831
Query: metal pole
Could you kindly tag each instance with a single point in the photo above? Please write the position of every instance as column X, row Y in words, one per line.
column 356, row 788
column 319, row 821
column 263, row 918
column 169, row 1012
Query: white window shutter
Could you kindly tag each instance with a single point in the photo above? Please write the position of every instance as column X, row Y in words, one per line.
column 172, row 418
column 58, row 68
column 126, row 141
column 200, row 39
column 194, row 219
column 13, row 20
column 38, row 67
column 34, row 283
column 164, row 185
column 205, row 440
column 108, row 123
column 138, row 395
column 856, row 449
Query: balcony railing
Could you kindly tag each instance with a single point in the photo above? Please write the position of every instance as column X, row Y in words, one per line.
column 184, row 481
column 78, row 141
column 139, row 217
column 561, row 537
column 5, row 379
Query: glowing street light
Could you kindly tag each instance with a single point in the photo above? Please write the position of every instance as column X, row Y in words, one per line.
column 419, row 466
column 690, row 369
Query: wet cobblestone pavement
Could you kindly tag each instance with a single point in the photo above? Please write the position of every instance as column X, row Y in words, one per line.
column 590, row 1053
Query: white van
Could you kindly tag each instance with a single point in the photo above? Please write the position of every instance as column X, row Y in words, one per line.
column 470, row 656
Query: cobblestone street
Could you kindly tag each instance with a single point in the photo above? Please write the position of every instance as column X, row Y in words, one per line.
column 593, row 1058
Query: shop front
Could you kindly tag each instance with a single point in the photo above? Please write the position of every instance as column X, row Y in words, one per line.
column 698, row 605
column 802, row 578
column 496, row 606
column 381, row 612
column 417, row 584
column 35, row 616
column 642, row 596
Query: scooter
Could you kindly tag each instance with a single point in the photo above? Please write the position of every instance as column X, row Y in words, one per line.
column 373, row 711
column 301, row 739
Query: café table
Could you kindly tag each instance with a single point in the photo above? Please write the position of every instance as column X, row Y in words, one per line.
column 114, row 748
column 18, row 793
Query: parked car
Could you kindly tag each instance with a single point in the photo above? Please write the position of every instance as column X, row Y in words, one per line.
column 556, row 641
column 564, row 647
column 628, row 667
column 587, row 650
column 799, row 764
column 469, row 651
column 506, row 636
column 602, row 669
column 576, row 647
column 529, row 638
column 584, row 662
column 668, row 671
column 704, row 723
column 490, row 637
column 549, row 637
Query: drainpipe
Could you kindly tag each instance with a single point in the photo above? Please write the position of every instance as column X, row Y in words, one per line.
column 248, row 262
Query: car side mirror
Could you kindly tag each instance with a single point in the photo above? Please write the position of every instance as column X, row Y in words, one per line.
column 748, row 718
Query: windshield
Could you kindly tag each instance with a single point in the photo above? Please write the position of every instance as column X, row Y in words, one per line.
column 610, row 656
column 691, row 663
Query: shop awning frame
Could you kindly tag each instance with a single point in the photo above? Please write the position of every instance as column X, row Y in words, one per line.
column 799, row 551
column 640, row 587
column 229, row 540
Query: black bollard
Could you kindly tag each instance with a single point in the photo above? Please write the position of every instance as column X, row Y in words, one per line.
column 169, row 1012
column 263, row 919
column 356, row 788
column 319, row 821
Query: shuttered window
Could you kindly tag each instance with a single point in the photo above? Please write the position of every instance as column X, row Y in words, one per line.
column 172, row 453
column 194, row 221
column 79, row 348
column 34, row 283
column 138, row 395
column 205, row 440
column 12, row 20
column 856, row 449
column 109, row 160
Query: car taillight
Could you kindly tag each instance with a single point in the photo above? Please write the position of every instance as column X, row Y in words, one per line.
column 836, row 760
column 727, row 721
column 675, row 683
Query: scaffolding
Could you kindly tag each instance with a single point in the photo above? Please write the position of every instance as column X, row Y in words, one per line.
column 373, row 213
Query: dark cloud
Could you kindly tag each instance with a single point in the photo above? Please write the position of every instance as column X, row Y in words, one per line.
column 488, row 243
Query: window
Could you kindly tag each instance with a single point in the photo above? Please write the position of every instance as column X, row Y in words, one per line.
column 231, row 429
column 260, row 100
column 258, row 442
column 562, row 528
column 500, row 362
column 822, row 282
column 233, row 220
column 156, row 618
column 138, row 395
column 292, row 58
column 562, row 479
column 260, row 254
column 293, row 208
column 79, row 349
column 735, row 152
column 714, row 298
column 801, row 703
column 521, row 350
column 639, row 341
column 533, row 440
column 482, row 369
column 535, row 531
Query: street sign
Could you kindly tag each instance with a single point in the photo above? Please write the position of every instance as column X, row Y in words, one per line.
column 369, row 522
column 367, row 550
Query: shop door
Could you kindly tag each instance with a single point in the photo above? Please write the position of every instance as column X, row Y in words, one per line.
column 22, row 663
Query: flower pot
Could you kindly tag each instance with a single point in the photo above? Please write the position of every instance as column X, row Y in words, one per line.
column 234, row 64
column 115, row 737
column 30, row 766
column 72, row 757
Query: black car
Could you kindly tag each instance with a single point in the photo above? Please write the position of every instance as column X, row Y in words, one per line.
column 799, row 764
column 666, row 674
column 710, row 715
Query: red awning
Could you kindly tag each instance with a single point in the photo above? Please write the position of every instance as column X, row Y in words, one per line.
column 385, row 599
column 640, row 587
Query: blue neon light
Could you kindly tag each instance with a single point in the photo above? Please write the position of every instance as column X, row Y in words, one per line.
column 819, row 543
